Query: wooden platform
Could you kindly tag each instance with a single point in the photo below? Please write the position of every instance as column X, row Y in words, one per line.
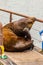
column 26, row 58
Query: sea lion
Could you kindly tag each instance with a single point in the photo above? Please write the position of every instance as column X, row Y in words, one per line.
column 16, row 36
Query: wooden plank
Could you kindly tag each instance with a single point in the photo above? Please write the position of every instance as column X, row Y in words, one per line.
column 25, row 58
column 7, row 61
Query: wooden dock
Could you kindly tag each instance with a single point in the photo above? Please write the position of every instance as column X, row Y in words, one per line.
column 26, row 58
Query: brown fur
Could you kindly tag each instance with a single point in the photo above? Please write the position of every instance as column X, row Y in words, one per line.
column 12, row 40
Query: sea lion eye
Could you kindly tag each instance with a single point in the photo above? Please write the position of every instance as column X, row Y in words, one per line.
column 25, row 36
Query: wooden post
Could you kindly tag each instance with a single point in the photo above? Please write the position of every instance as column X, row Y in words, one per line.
column 10, row 17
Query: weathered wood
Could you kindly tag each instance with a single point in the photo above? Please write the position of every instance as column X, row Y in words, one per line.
column 21, row 15
column 14, row 13
column 10, row 17
column 7, row 61
column 26, row 58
